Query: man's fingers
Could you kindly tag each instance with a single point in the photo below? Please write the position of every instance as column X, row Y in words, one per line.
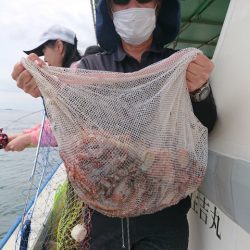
column 33, row 57
column 31, row 88
column 204, row 62
column 24, row 78
column 200, row 78
column 198, row 72
column 18, row 68
column 194, row 68
column 36, row 92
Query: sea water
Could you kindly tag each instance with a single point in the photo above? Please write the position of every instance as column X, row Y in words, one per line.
column 15, row 167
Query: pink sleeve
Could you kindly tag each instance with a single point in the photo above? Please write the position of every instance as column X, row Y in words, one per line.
column 74, row 65
column 47, row 139
column 30, row 130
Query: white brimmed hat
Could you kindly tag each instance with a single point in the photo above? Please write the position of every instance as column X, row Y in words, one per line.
column 55, row 32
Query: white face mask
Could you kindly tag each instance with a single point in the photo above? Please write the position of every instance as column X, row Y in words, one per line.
column 135, row 25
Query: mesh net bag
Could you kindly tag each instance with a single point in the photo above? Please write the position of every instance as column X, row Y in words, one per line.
column 130, row 141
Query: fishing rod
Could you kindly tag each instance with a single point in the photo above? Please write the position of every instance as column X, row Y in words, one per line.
column 21, row 117
column 4, row 137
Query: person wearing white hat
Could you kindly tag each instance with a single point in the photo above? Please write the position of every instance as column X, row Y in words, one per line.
column 58, row 45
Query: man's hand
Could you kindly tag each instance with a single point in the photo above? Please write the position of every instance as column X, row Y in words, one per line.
column 198, row 72
column 24, row 79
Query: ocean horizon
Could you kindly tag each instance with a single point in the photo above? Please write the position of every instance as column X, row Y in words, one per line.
column 19, row 100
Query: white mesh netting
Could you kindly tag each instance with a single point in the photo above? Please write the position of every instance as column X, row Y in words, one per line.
column 130, row 141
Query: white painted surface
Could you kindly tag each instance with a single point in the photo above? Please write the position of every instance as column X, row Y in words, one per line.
column 231, row 87
column 204, row 236
column 231, row 84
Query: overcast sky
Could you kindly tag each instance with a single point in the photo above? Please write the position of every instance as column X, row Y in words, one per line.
column 21, row 24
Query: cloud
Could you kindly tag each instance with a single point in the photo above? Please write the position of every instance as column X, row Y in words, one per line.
column 22, row 22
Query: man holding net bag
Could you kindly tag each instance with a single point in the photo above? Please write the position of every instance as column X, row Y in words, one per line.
column 139, row 157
